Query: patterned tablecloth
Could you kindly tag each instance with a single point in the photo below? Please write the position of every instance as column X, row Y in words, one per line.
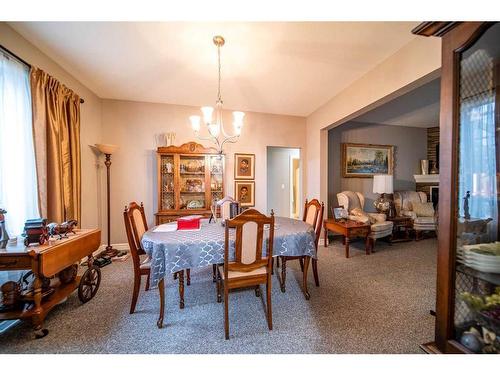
column 174, row 251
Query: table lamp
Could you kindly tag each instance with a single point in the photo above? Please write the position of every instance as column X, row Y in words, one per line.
column 382, row 184
column 108, row 150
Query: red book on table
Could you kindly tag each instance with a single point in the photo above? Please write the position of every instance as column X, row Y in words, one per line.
column 191, row 222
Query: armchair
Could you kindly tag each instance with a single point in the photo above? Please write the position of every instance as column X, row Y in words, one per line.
column 404, row 201
column 353, row 200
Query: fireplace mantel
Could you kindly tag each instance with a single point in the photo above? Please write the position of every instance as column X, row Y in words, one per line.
column 426, row 178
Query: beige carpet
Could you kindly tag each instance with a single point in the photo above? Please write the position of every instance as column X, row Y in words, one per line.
column 366, row 304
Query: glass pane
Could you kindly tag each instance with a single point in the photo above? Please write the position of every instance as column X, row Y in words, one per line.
column 216, row 180
column 477, row 302
column 167, row 182
column 192, row 182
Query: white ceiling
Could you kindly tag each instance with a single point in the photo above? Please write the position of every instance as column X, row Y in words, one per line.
column 418, row 108
column 274, row 67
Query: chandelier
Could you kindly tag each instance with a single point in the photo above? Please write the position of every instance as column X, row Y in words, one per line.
column 213, row 122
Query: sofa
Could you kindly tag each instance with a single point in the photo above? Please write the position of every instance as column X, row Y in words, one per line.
column 406, row 203
column 355, row 201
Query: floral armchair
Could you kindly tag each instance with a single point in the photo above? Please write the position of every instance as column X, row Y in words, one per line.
column 414, row 204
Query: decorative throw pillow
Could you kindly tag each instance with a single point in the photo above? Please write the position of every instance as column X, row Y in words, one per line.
column 425, row 209
column 379, row 218
column 363, row 216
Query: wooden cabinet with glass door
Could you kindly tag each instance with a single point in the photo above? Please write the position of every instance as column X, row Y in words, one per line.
column 190, row 178
column 468, row 276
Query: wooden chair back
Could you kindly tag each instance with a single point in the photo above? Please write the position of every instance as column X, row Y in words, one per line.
column 135, row 226
column 313, row 215
column 249, row 238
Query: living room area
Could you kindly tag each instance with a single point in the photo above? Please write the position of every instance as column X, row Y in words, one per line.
column 386, row 161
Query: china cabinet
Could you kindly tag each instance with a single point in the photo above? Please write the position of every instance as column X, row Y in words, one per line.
column 468, row 264
column 190, row 178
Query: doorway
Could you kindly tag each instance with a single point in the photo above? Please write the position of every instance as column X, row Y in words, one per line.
column 284, row 181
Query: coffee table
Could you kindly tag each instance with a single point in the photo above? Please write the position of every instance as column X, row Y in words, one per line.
column 349, row 229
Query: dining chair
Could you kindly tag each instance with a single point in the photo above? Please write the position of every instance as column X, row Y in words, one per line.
column 313, row 215
column 135, row 226
column 251, row 267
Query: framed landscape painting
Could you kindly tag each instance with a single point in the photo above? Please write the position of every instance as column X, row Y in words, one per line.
column 365, row 160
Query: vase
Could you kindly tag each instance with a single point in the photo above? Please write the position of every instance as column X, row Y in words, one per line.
column 424, row 166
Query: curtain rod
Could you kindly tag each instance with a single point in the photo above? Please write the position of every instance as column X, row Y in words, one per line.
column 24, row 62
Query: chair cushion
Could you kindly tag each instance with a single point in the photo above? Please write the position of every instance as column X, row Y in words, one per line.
column 425, row 209
column 379, row 227
column 146, row 263
column 236, row 274
column 424, row 220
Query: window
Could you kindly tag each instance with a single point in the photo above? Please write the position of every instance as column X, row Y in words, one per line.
column 18, row 186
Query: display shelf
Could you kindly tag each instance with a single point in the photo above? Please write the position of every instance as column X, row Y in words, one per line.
column 492, row 278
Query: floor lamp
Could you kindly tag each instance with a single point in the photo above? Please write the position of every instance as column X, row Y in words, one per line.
column 108, row 150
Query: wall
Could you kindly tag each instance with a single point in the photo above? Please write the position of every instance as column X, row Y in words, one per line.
column 279, row 179
column 410, row 147
column 90, row 121
column 416, row 63
column 135, row 126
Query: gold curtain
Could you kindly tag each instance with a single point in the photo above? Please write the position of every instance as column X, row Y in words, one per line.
column 56, row 132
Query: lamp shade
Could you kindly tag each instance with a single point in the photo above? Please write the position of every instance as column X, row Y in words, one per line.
column 107, row 148
column 382, row 184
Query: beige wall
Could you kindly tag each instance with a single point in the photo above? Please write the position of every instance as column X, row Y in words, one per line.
column 413, row 65
column 134, row 126
column 90, row 119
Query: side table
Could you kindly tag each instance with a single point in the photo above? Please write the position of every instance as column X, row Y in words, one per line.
column 401, row 228
column 348, row 229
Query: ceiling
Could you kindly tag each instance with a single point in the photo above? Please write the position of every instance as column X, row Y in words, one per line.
column 418, row 108
column 275, row 67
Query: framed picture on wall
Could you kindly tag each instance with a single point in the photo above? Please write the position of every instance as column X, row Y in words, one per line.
column 244, row 166
column 366, row 160
column 245, row 193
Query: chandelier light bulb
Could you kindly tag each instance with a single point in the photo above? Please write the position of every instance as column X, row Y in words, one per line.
column 238, row 118
column 207, row 114
column 195, row 123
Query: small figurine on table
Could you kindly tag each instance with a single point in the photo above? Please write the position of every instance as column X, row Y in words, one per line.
column 466, row 206
column 4, row 236
column 62, row 229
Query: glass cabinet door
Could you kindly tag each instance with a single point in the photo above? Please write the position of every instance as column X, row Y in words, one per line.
column 192, row 182
column 216, row 178
column 167, row 182
column 477, row 269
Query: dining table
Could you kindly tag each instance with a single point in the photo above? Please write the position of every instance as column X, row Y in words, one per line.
column 178, row 250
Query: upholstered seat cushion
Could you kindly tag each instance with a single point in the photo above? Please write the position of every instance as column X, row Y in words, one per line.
column 235, row 274
column 424, row 220
column 145, row 263
column 381, row 226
